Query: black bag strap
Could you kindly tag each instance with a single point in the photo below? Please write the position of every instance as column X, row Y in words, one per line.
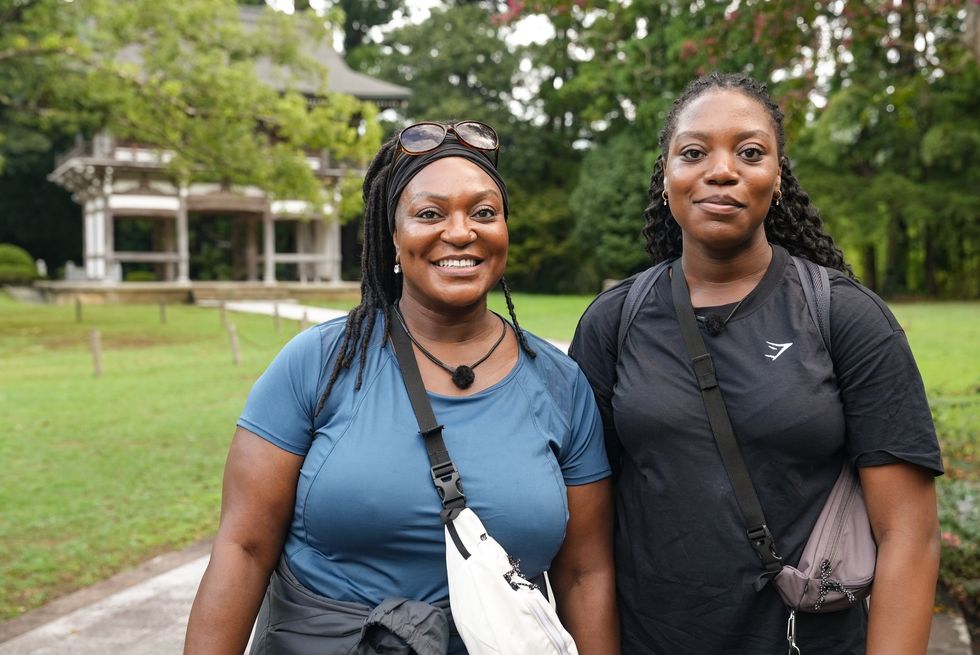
column 721, row 428
column 816, row 290
column 642, row 285
column 444, row 474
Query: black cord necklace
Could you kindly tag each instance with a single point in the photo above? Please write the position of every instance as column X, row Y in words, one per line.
column 714, row 323
column 463, row 375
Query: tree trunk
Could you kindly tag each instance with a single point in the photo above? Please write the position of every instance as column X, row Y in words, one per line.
column 869, row 278
column 932, row 288
column 897, row 257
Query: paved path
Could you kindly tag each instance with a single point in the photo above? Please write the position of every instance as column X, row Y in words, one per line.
column 144, row 611
column 133, row 614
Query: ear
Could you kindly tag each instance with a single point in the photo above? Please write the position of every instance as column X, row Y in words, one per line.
column 394, row 241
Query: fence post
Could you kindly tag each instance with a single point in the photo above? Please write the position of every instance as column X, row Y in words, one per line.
column 275, row 316
column 95, row 343
column 233, row 337
column 304, row 322
column 163, row 311
column 78, row 309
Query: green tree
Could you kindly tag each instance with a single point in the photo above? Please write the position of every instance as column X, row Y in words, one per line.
column 460, row 67
column 880, row 101
column 181, row 76
column 609, row 202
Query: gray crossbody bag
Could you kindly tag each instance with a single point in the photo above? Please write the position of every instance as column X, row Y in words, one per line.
column 841, row 543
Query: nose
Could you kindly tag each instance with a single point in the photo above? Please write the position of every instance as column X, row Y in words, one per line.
column 458, row 231
column 723, row 168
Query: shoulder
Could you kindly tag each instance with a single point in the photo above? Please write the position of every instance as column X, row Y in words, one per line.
column 608, row 304
column 558, row 374
column 601, row 318
column 854, row 306
column 550, row 358
column 330, row 334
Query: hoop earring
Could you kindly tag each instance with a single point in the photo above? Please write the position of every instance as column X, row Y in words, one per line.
column 663, row 194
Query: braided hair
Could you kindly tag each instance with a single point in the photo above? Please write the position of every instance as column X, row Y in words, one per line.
column 380, row 286
column 794, row 224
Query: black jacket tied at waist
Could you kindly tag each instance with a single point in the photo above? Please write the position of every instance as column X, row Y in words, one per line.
column 294, row 620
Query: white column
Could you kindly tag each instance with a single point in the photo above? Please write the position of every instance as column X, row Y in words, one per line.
column 183, row 244
column 97, row 269
column 302, row 247
column 269, row 248
column 88, row 247
column 330, row 246
column 108, row 240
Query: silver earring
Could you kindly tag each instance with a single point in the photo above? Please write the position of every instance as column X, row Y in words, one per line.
column 663, row 194
column 779, row 196
column 398, row 268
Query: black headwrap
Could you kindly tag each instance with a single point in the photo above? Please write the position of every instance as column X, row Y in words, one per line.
column 408, row 166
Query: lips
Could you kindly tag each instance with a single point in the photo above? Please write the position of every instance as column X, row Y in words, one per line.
column 720, row 200
column 719, row 205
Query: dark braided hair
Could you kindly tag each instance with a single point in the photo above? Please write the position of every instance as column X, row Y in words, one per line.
column 380, row 286
column 794, row 224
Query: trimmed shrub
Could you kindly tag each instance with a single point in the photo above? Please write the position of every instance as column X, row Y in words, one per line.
column 16, row 265
column 140, row 276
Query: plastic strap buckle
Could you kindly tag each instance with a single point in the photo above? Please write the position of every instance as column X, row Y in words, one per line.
column 704, row 369
column 765, row 547
column 448, row 484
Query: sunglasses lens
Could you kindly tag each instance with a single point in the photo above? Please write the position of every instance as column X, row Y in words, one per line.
column 423, row 137
column 477, row 135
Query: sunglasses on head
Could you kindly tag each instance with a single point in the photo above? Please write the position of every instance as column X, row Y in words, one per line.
column 421, row 138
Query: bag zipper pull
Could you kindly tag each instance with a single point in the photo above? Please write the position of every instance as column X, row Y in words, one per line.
column 791, row 634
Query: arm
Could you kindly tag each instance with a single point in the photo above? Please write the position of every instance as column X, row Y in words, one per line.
column 257, row 500
column 583, row 575
column 901, row 502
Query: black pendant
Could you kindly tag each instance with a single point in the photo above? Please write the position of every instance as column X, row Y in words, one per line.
column 463, row 376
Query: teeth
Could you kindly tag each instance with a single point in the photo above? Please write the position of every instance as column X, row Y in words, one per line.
column 456, row 263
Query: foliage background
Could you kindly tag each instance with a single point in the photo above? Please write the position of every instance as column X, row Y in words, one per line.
column 881, row 100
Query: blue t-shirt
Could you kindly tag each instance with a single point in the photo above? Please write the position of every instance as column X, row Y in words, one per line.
column 366, row 521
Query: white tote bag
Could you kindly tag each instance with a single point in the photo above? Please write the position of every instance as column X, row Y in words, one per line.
column 496, row 611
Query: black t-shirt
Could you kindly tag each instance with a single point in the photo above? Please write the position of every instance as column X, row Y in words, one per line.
column 685, row 566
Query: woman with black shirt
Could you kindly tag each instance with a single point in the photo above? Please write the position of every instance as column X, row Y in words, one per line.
column 725, row 207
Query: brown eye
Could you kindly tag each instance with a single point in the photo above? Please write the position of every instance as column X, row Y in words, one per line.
column 752, row 154
column 692, row 154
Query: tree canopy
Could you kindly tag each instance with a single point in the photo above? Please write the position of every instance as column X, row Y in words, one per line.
column 178, row 75
column 880, row 99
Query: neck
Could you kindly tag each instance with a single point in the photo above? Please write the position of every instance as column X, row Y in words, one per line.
column 447, row 325
column 721, row 278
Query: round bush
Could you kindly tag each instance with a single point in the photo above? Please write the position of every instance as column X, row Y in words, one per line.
column 16, row 265
column 140, row 276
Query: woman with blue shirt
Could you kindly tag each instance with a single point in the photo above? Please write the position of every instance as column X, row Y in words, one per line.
column 327, row 476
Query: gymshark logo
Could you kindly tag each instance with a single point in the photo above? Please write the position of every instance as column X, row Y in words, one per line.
column 779, row 349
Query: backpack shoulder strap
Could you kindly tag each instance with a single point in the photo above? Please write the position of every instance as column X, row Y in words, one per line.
column 642, row 285
column 816, row 289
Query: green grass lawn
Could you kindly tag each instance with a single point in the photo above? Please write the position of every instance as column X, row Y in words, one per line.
column 553, row 317
column 102, row 473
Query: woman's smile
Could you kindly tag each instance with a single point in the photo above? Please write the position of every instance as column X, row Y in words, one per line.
column 458, row 265
column 721, row 205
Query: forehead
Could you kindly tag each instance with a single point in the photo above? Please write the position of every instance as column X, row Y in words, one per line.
column 448, row 176
column 724, row 110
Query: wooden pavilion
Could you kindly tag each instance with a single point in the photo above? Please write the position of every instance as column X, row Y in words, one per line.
column 116, row 181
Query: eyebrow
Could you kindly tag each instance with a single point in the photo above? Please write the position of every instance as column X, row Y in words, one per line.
column 428, row 195
column 704, row 136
